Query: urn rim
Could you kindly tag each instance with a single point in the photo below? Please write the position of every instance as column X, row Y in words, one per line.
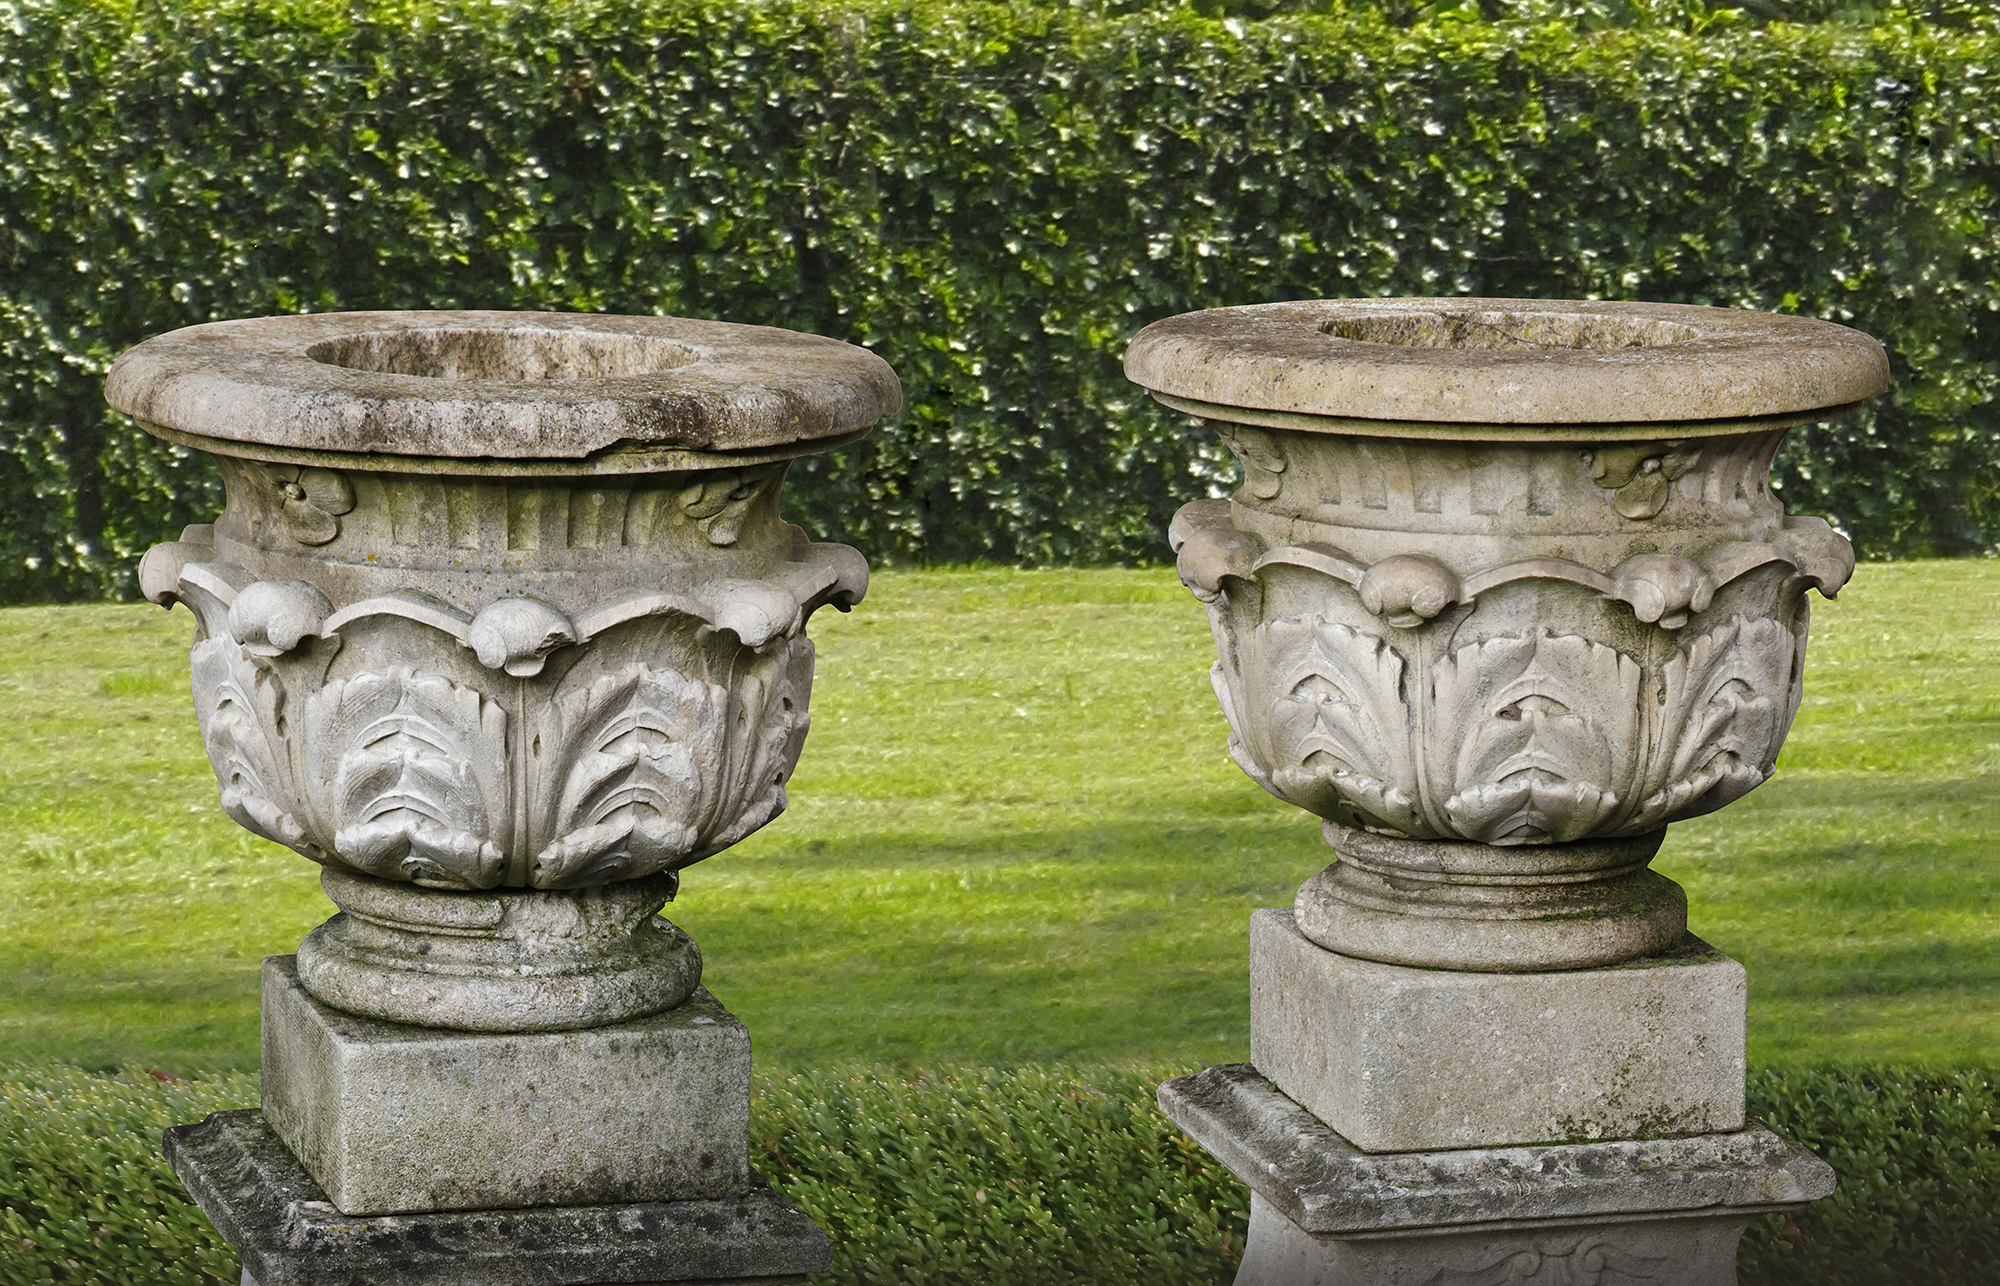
column 1419, row 367
column 492, row 385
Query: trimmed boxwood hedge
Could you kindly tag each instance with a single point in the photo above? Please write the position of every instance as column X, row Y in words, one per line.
column 994, row 198
column 1032, row 1177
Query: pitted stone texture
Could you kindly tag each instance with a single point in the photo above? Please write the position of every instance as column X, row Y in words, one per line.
column 390, row 1118
column 1405, row 362
column 523, row 746
column 499, row 385
column 270, row 1211
column 520, row 666
column 1444, row 904
column 499, row 961
column 1402, row 1060
column 1653, row 1251
column 1506, row 571
column 1327, row 1186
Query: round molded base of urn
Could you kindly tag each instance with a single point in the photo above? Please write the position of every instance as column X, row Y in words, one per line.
column 1440, row 904
column 513, row 960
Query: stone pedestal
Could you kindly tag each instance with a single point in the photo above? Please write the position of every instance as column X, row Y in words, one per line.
column 1666, row 1212
column 1442, row 1127
column 1399, row 1059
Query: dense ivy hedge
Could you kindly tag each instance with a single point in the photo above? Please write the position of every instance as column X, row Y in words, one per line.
column 1032, row 1177
column 993, row 198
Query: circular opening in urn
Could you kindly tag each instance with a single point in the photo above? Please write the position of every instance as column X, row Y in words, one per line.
column 503, row 355
column 1509, row 331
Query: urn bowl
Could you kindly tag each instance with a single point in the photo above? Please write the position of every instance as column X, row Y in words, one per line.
column 501, row 606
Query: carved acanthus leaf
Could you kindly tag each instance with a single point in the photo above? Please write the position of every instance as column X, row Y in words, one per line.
column 1543, row 737
column 772, row 721
column 1227, row 682
column 632, row 751
column 239, row 704
column 409, row 776
column 657, row 769
column 1725, row 708
column 1227, row 679
column 1339, row 731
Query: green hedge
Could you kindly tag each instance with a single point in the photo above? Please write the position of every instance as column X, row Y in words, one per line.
column 1918, row 1155
column 993, row 198
column 1037, row 1177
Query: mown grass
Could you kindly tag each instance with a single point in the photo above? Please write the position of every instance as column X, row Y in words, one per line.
column 1015, row 837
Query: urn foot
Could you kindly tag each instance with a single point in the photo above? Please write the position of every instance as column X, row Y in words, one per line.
column 508, row 960
column 1450, row 904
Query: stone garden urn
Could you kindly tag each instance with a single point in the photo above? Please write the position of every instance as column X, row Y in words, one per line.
column 1504, row 592
column 501, row 627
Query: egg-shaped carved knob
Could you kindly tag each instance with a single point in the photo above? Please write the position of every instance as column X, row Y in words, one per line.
column 271, row 617
column 1662, row 588
column 1409, row 589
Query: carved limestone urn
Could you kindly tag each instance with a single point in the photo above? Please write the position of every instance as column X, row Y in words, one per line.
column 501, row 626
column 1505, row 591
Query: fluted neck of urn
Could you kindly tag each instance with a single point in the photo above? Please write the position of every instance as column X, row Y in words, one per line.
column 472, row 540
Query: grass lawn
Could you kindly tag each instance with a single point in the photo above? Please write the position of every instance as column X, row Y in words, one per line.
column 1015, row 836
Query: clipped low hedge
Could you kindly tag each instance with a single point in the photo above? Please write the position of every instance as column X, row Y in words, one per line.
column 994, row 198
column 1040, row 1176
column 1918, row 1156
column 84, row 1193
column 1032, row 1177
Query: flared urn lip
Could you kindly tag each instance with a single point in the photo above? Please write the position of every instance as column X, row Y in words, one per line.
column 1501, row 369
column 526, row 388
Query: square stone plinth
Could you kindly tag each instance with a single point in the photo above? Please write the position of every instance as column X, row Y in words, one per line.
column 280, row 1223
column 1405, row 1060
column 388, row 1118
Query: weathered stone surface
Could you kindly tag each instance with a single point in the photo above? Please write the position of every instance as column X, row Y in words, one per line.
column 1403, row 1060
column 389, row 1118
column 1505, row 362
column 1697, row 1250
column 1446, row 904
column 499, row 385
column 1506, row 573
column 1504, row 592
column 521, row 746
column 1327, row 1186
column 471, row 655
column 501, row 961
column 502, row 627
column 280, row 1223
column 1492, row 686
